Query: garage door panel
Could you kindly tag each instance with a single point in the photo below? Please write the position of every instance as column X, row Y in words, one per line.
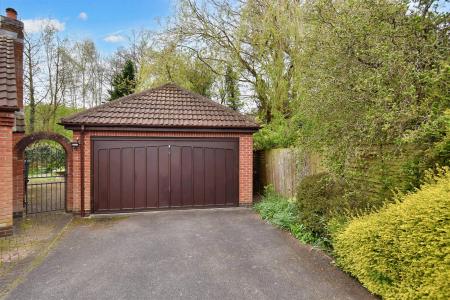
column 199, row 176
column 175, row 176
column 127, row 180
column 220, row 177
column 210, row 174
column 186, row 176
column 114, row 179
column 140, row 178
column 102, row 179
column 160, row 173
column 163, row 176
column 152, row 168
column 230, row 174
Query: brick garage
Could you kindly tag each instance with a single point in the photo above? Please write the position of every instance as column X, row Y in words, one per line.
column 162, row 148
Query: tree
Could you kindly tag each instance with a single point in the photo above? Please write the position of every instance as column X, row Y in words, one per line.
column 139, row 45
column 173, row 65
column 57, row 70
column 251, row 35
column 32, row 72
column 123, row 83
column 229, row 93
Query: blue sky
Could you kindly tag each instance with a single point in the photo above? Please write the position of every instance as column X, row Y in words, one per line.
column 105, row 22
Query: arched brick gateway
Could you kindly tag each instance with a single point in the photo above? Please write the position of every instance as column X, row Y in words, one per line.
column 18, row 167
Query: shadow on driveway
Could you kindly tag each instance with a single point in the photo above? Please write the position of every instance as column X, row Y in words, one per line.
column 191, row 254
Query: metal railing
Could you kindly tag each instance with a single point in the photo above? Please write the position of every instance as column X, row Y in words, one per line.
column 44, row 178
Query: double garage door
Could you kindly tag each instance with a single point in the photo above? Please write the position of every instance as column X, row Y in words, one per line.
column 133, row 174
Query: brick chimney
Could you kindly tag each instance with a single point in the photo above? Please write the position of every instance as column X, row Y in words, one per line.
column 11, row 13
column 11, row 29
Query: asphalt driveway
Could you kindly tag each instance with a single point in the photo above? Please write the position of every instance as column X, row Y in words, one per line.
column 189, row 254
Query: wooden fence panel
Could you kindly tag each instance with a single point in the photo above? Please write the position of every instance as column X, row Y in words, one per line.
column 283, row 169
column 374, row 176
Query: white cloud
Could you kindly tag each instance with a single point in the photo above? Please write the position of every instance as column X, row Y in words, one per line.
column 114, row 38
column 83, row 16
column 37, row 25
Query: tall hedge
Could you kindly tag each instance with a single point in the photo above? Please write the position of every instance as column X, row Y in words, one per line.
column 403, row 250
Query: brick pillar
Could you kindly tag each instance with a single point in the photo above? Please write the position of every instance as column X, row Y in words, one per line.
column 18, row 177
column 245, row 170
column 75, row 202
column 87, row 173
column 69, row 181
column 6, row 173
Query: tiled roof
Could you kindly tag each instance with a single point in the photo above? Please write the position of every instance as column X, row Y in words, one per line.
column 8, row 92
column 165, row 106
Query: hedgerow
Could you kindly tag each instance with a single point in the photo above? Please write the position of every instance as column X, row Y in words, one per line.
column 319, row 198
column 403, row 250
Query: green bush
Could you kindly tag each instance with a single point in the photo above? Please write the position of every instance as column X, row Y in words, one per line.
column 432, row 145
column 278, row 210
column 280, row 133
column 319, row 198
column 283, row 213
column 403, row 250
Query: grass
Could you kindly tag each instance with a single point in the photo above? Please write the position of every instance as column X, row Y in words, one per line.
column 283, row 213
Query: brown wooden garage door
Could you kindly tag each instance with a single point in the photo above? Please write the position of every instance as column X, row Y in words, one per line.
column 134, row 174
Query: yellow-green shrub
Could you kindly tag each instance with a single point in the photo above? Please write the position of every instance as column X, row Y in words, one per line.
column 403, row 250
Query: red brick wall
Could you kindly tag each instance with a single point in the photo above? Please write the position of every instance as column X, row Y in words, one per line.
column 18, row 175
column 246, row 170
column 6, row 172
column 20, row 143
column 245, row 161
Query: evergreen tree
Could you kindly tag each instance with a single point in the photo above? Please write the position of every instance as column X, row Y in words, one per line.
column 232, row 94
column 123, row 83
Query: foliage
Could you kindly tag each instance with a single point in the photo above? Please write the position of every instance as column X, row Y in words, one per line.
column 254, row 36
column 372, row 73
column 173, row 65
column 284, row 214
column 432, row 145
column 319, row 199
column 280, row 133
column 278, row 210
column 123, row 83
column 402, row 250
column 60, row 72
column 45, row 157
column 229, row 93
column 42, row 123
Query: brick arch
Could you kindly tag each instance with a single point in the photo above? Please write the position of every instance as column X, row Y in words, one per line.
column 18, row 161
column 52, row 136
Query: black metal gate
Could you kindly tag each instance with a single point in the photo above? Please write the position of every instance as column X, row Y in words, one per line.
column 45, row 177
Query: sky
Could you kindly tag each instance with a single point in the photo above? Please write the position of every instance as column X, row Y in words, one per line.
column 105, row 22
